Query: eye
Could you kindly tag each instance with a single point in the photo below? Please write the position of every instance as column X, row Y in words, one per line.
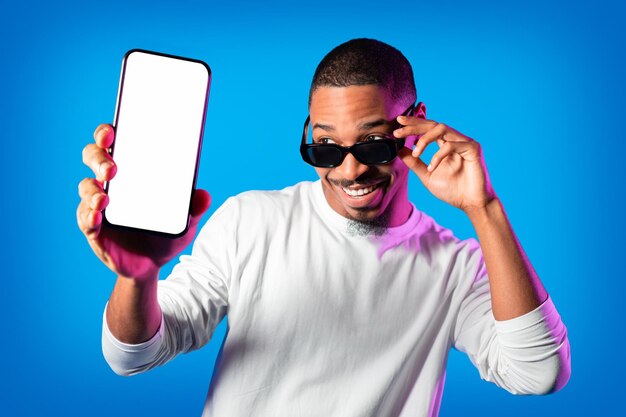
column 325, row 140
column 374, row 137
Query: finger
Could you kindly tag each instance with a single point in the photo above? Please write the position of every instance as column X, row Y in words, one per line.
column 436, row 133
column 200, row 203
column 415, row 121
column 91, row 192
column 89, row 221
column 413, row 126
column 99, row 161
column 415, row 164
column 104, row 135
column 448, row 148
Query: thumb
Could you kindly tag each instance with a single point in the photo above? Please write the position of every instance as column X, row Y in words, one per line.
column 199, row 204
column 415, row 164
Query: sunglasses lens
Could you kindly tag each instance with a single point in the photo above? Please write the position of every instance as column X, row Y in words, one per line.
column 375, row 152
column 370, row 153
column 322, row 156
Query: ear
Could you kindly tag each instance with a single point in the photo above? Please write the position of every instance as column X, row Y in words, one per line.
column 420, row 110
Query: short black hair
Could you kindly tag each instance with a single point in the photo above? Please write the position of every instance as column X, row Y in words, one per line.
column 365, row 62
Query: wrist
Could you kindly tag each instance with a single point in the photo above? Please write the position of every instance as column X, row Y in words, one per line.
column 133, row 313
column 140, row 278
column 492, row 210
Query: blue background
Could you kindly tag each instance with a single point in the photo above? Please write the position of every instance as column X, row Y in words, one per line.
column 539, row 85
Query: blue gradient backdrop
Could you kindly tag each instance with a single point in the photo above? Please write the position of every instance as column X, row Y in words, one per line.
column 539, row 84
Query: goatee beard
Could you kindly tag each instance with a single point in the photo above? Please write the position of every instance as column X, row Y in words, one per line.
column 366, row 227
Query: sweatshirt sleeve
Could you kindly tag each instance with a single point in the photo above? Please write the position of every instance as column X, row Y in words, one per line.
column 529, row 354
column 193, row 301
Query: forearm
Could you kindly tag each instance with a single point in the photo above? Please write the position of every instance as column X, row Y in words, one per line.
column 514, row 284
column 133, row 314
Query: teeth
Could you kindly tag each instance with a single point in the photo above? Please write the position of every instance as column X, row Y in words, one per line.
column 360, row 191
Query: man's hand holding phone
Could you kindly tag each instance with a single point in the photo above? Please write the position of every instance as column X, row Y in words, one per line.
column 128, row 253
column 149, row 213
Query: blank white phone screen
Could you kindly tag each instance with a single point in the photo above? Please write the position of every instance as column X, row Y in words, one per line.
column 158, row 128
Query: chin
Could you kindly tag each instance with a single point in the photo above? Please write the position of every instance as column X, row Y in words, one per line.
column 365, row 215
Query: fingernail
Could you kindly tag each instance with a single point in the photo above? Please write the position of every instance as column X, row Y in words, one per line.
column 103, row 132
column 104, row 167
column 396, row 132
column 430, row 167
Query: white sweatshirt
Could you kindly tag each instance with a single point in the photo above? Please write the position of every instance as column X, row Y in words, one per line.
column 323, row 321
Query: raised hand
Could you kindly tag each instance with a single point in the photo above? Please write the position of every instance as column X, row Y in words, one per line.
column 127, row 253
column 456, row 173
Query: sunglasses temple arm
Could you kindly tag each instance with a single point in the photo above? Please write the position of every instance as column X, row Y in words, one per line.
column 305, row 130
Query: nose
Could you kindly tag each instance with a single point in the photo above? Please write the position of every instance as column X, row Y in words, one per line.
column 351, row 169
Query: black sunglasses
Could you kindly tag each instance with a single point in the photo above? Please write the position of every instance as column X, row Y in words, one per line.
column 330, row 155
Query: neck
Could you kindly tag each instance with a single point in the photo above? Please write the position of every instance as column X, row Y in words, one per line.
column 400, row 208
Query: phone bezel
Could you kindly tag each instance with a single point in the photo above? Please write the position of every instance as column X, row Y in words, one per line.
column 198, row 152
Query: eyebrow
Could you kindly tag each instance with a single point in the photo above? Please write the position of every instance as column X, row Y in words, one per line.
column 362, row 126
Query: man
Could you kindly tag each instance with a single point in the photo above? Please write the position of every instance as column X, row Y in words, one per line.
column 342, row 297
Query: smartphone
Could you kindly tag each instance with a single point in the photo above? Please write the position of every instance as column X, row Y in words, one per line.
column 159, row 124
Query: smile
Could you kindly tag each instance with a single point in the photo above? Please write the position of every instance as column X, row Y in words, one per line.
column 361, row 191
